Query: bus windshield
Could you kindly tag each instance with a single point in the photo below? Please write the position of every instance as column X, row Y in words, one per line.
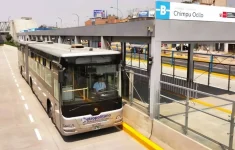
column 90, row 83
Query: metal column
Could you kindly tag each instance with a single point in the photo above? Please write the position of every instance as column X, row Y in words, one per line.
column 59, row 40
column 103, row 43
column 190, row 70
column 155, row 74
column 131, row 86
column 77, row 40
column 123, row 50
column 90, row 43
column 231, row 132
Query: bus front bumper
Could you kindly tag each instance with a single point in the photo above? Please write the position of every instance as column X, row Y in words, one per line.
column 82, row 124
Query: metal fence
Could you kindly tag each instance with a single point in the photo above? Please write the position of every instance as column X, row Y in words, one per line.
column 179, row 82
column 135, row 85
column 137, row 60
column 205, row 69
column 175, row 113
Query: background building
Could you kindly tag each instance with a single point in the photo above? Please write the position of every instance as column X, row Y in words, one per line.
column 97, row 21
column 19, row 25
column 208, row 2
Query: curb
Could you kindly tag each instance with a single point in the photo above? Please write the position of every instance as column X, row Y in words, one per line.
column 140, row 138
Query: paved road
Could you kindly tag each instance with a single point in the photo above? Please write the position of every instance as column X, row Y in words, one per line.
column 218, row 68
column 26, row 126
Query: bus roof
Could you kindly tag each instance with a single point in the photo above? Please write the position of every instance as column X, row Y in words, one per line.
column 65, row 50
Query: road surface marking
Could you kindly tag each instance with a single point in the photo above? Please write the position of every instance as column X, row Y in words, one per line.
column 26, row 106
column 17, row 85
column 38, row 134
column 35, row 83
column 44, row 94
column 19, row 91
column 15, row 80
column 31, row 118
column 14, row 77
column 22, row 97
column 39, row 88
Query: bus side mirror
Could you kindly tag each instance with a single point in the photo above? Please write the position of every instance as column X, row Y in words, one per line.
column 61, row 76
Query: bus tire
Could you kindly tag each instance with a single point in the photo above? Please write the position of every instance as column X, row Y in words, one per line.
column 120, row 127
column 21, row 70
column 31, row 83
column 49, row 110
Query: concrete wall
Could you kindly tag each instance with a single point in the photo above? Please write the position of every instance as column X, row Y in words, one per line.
column 163, row 135
column 230, row 3
column 201, row 31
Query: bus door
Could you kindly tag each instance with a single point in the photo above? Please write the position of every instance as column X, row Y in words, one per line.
column 26, row 63
column 56, row 90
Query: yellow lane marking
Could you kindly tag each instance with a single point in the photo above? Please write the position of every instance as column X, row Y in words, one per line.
column 140, row 138
column 211, row 105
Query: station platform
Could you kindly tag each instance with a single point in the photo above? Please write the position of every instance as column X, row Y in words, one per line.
column 209, row 130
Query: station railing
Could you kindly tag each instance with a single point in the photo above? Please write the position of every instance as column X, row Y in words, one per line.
column 196, row 128
column 227, row 71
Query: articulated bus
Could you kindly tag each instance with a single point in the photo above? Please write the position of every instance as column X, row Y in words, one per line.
column 79, row 87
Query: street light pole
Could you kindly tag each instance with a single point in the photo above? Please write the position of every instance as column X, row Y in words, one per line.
column 118, row 10
column 78, row 18
column 9, row 19
column 60, row 21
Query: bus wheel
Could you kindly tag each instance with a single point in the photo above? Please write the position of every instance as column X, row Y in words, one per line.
column 31, row 83
column 49, row 110
column 120, row 127
column 21, row 70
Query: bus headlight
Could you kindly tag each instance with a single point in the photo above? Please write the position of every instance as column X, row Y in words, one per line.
column 69, row 128
column 68, row 125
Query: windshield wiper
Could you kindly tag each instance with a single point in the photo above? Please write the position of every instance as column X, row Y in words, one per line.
column 107, row 91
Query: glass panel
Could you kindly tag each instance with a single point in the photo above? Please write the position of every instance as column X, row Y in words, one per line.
column 88, row 83
column 37, row 58
column 38, row 68
column 56, row 89
column 48, row 76
column 34, row 65
column 30, row 65
column 42, row 72
column 41, row 60
column 48, row 64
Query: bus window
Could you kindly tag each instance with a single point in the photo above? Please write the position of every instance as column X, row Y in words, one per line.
column 90, row 82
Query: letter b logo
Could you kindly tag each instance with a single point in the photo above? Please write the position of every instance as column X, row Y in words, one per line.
column 163, row 10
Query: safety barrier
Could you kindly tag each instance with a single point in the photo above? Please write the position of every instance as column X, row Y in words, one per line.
column 157, row 132
column 180, row 82
column 185, row 108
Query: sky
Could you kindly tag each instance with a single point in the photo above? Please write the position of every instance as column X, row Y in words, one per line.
column 48, row 11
